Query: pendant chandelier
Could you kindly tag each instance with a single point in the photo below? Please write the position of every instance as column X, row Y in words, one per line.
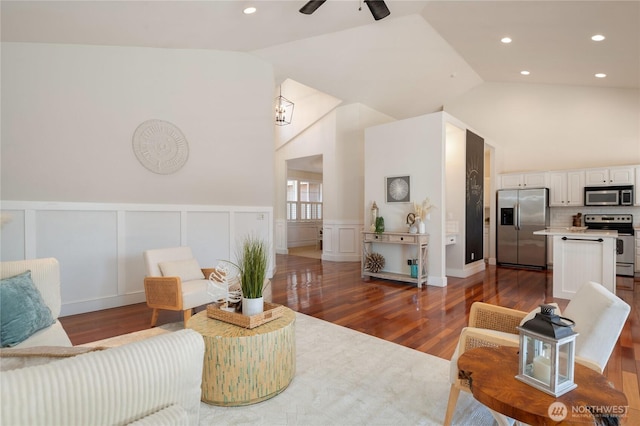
column 284, row 110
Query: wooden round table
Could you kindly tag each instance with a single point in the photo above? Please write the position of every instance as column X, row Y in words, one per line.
column 492, row 374
column 243, row 366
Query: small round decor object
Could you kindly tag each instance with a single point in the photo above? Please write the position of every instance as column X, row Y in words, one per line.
column 374, row 262
column 160, row 146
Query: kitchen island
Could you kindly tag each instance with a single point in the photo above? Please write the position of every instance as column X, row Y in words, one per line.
column 580, row 256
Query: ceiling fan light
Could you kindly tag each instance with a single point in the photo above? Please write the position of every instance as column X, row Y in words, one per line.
column 311, row 6
column 378, row 9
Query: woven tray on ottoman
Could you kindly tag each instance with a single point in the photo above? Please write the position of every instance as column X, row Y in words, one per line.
column 271, row 312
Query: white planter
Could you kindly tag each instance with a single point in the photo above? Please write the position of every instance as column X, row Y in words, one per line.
column 252, row 306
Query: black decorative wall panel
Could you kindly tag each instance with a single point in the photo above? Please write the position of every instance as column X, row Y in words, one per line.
column 474, row 205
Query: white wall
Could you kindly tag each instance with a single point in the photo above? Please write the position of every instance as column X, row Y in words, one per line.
column 339, row 137
column 69, row 113
column 68, row 167
column 315, row 140
column 456, row 167
column 309, row 106
column 432, row 149
column 544, row 127
column 415, row 147
column 352, row 120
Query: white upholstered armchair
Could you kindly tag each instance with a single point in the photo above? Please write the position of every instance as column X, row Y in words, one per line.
column 599, row 316
column 175, row 281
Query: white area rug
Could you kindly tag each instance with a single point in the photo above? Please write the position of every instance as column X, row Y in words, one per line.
column 344, row 377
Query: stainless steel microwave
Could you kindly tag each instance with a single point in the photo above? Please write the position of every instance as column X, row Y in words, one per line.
column 608, row 195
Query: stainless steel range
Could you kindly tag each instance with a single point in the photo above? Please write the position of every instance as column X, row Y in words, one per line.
column 623, row 223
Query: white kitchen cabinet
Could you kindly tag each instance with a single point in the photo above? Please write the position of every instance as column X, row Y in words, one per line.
column 566, row 188
column 523, row 180
column 637, row 203
column 637, row 268
column 582, row 257
column 610, row 176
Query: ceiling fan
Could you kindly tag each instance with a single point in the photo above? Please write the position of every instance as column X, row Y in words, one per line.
column 378, row 9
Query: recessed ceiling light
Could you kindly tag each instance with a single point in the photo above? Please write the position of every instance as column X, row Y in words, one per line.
column 506, row 40
column 525, row 72
column 601, row 75
column 598, row 37
column 249, row 10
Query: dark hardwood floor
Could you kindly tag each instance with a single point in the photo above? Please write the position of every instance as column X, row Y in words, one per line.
column 427, row 319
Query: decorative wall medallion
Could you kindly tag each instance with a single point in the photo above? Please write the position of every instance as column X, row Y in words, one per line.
column 160, row 146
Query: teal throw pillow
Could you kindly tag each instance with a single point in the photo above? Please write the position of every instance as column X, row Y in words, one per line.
column 22, row 310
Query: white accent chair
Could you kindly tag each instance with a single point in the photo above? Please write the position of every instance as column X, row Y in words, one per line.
column 176, row 282
column 182, row 286
column 599, row 316
column 45, row 274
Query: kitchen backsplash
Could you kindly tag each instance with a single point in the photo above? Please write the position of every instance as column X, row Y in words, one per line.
column 563, row 216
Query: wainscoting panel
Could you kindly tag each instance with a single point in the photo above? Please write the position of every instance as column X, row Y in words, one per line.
column 208, row 236
column 12, row 243
column 256, row 223
column 99, row 245
column 341, row 241
column 144, row 230
column 281, row 236
column 85, row 244
column 349, row 241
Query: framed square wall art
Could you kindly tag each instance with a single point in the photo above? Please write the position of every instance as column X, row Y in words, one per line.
column 398, row 189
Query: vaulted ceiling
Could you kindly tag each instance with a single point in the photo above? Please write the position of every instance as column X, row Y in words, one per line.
column 423, row 55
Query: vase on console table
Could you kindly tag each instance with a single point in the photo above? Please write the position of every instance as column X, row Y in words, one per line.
column 422, row 227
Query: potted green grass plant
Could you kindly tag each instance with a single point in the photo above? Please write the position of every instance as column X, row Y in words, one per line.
column 252, row 259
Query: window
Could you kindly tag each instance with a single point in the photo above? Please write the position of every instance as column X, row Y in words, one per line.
column 304, row 200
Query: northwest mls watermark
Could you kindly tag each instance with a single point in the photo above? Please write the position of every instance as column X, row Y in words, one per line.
column 558, row 411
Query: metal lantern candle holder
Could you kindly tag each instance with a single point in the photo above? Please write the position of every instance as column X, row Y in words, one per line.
column 547, row 352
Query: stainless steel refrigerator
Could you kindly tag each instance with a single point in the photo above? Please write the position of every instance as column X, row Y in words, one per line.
column 520, row 213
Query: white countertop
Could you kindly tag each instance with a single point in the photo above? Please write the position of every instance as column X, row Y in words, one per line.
column 601, row 233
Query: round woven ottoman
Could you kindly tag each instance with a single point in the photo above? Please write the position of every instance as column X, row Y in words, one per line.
column 243, row 366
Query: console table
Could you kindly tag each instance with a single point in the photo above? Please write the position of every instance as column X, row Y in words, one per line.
column 400, row 239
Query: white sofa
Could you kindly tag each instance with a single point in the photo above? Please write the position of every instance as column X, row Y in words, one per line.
column 45, row 274
column 46, row 381
column 155, row 381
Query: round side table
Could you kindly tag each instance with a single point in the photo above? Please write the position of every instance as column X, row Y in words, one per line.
column 243, row 366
